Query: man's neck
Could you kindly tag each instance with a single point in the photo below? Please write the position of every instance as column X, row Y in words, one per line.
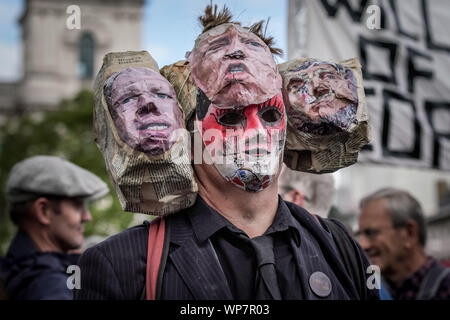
column 252, row 212
column 415, row 261
column 41, row 239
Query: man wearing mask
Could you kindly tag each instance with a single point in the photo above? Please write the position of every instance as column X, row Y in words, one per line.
column 239, row 240
column 48, row 197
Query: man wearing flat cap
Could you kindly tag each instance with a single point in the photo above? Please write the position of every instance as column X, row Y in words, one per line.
column 47, row 197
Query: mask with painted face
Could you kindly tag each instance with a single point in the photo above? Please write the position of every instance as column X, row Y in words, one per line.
column 234, row 67
column 145, row 111
column 327, row 114
column 321, row 97
column 138, row 128
column 240, row 111
column 245, row 144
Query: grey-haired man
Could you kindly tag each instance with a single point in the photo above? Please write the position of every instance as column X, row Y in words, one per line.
column 392, row 231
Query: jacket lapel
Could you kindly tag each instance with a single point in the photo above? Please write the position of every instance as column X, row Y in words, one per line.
column 329, row 252
column 200, row 269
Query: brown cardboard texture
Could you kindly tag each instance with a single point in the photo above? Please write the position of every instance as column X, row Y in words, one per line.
column 156, row 185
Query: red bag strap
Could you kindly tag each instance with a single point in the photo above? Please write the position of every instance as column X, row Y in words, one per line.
column 156, row 234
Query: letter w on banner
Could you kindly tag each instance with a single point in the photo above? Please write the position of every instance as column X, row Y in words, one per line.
column 404, row 48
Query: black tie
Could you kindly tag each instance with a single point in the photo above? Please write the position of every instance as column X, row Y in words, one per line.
column 266, row 284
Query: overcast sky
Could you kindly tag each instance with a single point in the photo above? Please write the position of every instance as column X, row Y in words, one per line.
column 169, row 28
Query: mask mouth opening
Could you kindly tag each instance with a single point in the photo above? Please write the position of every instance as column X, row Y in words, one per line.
column 236, row 68
column 257, row 152
column 155, row 126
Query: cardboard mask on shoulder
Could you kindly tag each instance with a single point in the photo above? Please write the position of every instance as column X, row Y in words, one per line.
column 327, row 114
column 139, row 128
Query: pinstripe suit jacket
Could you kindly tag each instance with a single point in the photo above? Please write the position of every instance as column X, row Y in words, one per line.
column 115, row 268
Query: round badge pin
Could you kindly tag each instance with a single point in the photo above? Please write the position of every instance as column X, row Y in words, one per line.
column 320, row 284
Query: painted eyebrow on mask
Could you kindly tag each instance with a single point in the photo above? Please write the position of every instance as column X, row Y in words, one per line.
column 131, row 90
column 248, row 40
column 161, row 89
column 135, row 91
column 222, row 41
column 324, row 72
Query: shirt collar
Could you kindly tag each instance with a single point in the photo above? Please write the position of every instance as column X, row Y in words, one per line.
column 21, row 246
column 206, row 221
column 284, row 220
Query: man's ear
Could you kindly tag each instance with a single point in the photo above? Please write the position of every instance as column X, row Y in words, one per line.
column 42, row 210
column 294, row 196
column 298, row 197
column 412, row 233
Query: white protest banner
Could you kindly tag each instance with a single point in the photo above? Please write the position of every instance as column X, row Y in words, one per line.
column 404, row 48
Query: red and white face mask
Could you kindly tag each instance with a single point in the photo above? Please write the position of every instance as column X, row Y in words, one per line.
column 245, row 143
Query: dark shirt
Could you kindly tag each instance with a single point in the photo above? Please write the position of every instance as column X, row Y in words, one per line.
column 237, row 256
column 410, row 287
column 32, row 275
column 238, row 261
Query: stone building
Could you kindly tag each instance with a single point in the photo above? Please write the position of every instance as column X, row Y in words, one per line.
column 59, row 61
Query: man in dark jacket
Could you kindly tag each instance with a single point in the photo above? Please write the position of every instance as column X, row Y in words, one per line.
column 47, row 197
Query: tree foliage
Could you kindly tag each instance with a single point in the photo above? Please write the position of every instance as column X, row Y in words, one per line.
column 65, row 132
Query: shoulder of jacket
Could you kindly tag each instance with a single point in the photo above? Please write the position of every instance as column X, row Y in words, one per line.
column 132, row 237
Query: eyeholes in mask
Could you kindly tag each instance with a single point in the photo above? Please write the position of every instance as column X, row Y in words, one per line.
column 271, row 115
column 231, row 118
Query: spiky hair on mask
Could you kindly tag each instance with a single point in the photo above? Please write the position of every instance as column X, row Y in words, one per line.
column 213, row 18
